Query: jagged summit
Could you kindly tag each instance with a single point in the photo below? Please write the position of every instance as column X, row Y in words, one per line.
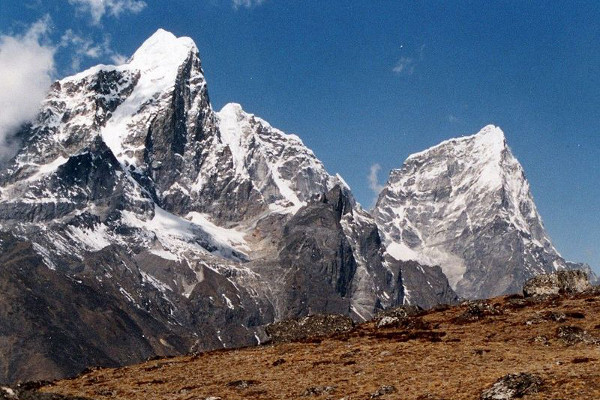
column 232, row 108
column 163, row 48
column 236, row 111
column 161, row 54
column 466, row 205
column 489, row 136
column 285, row 172
column 481, row 155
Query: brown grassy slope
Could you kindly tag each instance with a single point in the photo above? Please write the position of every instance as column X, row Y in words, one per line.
column 439, row 357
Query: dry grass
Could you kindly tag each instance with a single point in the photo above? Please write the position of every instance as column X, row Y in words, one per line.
column 443, row 358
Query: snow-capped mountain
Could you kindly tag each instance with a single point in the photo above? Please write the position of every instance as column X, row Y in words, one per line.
column 465, row 205
column 132, row 204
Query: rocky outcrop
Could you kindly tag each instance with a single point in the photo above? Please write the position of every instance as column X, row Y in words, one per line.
column 310, row 327
column 19, row 393
column 53, row 324
column 424, row 285
column 317, row 259
column 573, row 281
column 396, row 316
column 513, row 386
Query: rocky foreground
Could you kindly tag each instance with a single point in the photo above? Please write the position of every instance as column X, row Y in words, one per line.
column 538, row 347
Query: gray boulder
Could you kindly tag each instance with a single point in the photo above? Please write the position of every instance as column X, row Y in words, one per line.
column 513, row 386
column 569, row 281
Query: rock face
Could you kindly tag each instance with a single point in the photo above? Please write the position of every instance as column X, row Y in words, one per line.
column 309, row 327
column 55, row 324
column 513, row 386
column 574, row 281
column 465, row 205
column 144, row 223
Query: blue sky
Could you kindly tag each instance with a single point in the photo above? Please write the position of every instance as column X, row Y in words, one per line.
column 368, row 83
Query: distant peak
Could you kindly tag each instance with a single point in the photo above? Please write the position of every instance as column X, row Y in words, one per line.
column 162, row 47
column 492, row 132
column 490, row 136
column 232, row 108
column 162, row 33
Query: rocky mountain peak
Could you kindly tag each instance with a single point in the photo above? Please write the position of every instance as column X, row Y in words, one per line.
column 467, row 195
column 479, row 158
column 233, row 109
column 492, row 132
column 162, row 52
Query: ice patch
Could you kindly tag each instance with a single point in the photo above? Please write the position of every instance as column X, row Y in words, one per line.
column 92, row 239
column 164, row 254
column 228, row 302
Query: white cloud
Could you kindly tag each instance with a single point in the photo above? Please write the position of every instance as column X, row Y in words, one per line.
column 118, row 58
column 405, row 66
column 247, row 3
column 374, row 184
column 26, row 73
column 82, row 48
column 99, row 8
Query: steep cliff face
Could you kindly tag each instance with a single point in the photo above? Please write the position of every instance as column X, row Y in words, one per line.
column 465, row 205
column 177, row 218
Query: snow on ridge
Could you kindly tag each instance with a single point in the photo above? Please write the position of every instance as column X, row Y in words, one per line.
column 89, row 72
column 232, row 122
column 489, row 135
column 235, row 110
column 342, row 182
column 246, row 133
column 157, row 62
column 178, row 235
column 481, row 159
column 161, row 49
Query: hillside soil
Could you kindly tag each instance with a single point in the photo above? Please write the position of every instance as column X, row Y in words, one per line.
column 445, row 353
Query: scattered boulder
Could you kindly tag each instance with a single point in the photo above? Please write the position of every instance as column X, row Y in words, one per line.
column 242, row 384
column 477, row 310
column 386, row 322
column 513, row 386
column 383, row 390
column 579, row 360
column 7, row 393
column 568, row 281
column 278, row 362
column 400, row 312
column 20, row 393
column 545, row 316
column 517, row 302
column 571, row 335
column 542, row 339
column 312, row 326
column 318, row 391
column 398, row 316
